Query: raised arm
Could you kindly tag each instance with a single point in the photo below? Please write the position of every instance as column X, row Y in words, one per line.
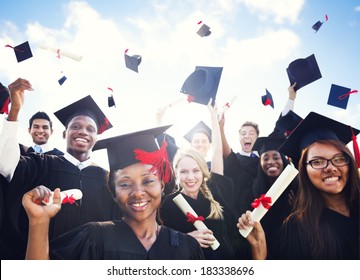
column 217, row 163
column 225, row 145
column 290, row 102
column 39, row 219
column 9, row 147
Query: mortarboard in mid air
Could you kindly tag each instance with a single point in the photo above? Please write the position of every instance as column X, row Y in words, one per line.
column 267, row 99
column 303, row 71
column 22, row 51
column 132, row 62
column 4, row 99
column 316, row 26
column 202, row 84
column 204, row 30
column 315, row 127
column 200, row 127
column 62, row 80
column 85, row 106
column 339, row 96
column 111, row 101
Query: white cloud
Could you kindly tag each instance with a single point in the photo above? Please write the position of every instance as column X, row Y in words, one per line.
column 357, row 8
column 281, row 10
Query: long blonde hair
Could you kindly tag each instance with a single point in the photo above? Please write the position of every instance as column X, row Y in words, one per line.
column 216, row 210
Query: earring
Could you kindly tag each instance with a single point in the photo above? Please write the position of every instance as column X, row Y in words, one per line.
column 162, row 194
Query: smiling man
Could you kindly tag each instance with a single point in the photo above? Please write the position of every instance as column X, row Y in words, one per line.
column 40, row 129
column 83, row 121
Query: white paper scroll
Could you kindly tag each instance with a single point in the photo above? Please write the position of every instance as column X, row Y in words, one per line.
column 68, row 196
column 185, row 208
column 62, row 53
column 279, row 186
column 229, row 104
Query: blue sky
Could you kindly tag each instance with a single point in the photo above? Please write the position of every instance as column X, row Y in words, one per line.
column 253, row 40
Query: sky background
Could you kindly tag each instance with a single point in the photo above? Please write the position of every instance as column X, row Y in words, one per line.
column 253, row 40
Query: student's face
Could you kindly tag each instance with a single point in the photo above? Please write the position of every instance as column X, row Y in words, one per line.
column 190, row 176
column 81, row 134
column 331, row 179
column 201, row 143
column 248, row 137
column 271, row 163
column 138, row 192
column 40, row 131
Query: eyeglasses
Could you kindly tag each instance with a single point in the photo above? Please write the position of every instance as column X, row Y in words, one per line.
column 321, row 163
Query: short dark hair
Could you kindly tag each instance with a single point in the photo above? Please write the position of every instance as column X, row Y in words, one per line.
column 40, row 115
column 254, row 125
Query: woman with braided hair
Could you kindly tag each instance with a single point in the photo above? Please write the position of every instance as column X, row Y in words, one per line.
column 211, row 196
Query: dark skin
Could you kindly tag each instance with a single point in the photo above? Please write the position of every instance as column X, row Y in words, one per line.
column 81, row 133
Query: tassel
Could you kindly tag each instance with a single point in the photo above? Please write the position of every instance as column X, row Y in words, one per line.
column 103, row 126
column 159, row 159
column 5, row 107
column 355, row 148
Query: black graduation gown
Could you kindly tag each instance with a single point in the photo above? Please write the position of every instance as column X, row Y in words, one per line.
column 294, row 242
column 115, row 240
column 278, row 212
column 224, row 230
column 53, row 172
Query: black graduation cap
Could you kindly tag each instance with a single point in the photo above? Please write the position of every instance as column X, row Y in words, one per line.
column 339, row 96
column 4, row 99
column 264, row 144
column 135, row 147
column 199, row 127
column 85, row 106
column 202, row 84
column 317, row 25
column 111, row 101
column 204, row 30
column 303, row 71
column 315, row 127
column 132, row 62
column 22, row 51
column 286, row 124
column 62, row 80
column 267, row 99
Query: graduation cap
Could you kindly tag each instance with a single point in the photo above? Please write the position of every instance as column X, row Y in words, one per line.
column 132, row 62
column 111, row 101
column 303, row 71
column 286, row 124
column 85, row 106
column 135, row 147
column 202, row 84
column 62, row 80
column 204, row 30
column 22, row 51
column 315, row 127
column 317, row 25
column 201, row 127
column 264, row 144
column 4, row 99
column 267, row 99
column 339, row 96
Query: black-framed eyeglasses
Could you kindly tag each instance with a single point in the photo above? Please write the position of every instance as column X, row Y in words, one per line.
column 321, row 163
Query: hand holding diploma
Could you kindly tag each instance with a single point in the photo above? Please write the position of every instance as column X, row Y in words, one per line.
column 264, row 202
column 68, row 196
column 191, row 215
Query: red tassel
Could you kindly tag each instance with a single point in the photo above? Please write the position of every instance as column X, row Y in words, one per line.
column 5, row 107
column 355, row 148
column 103, row 126
column 159, row 159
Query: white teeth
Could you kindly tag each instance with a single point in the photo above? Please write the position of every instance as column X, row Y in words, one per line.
column 139, row 204
column 273, row 168
column 331, row 179
column 80, row 140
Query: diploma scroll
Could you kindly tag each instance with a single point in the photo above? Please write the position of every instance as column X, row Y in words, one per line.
column 229, row 104
column 185, row 208
column 68, row 196
column 62, row 53
column 279, row 186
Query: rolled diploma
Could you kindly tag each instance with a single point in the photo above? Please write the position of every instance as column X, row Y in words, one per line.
column 63, row 53
column 279, row 186
column 227, row 107
column 75, row 193
column 185, row 207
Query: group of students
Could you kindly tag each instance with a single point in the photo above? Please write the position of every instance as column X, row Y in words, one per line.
column 129, row 212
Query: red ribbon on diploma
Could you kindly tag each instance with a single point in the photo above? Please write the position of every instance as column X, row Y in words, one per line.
column 192, row 219
column 68, row 199
column 264, row 200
